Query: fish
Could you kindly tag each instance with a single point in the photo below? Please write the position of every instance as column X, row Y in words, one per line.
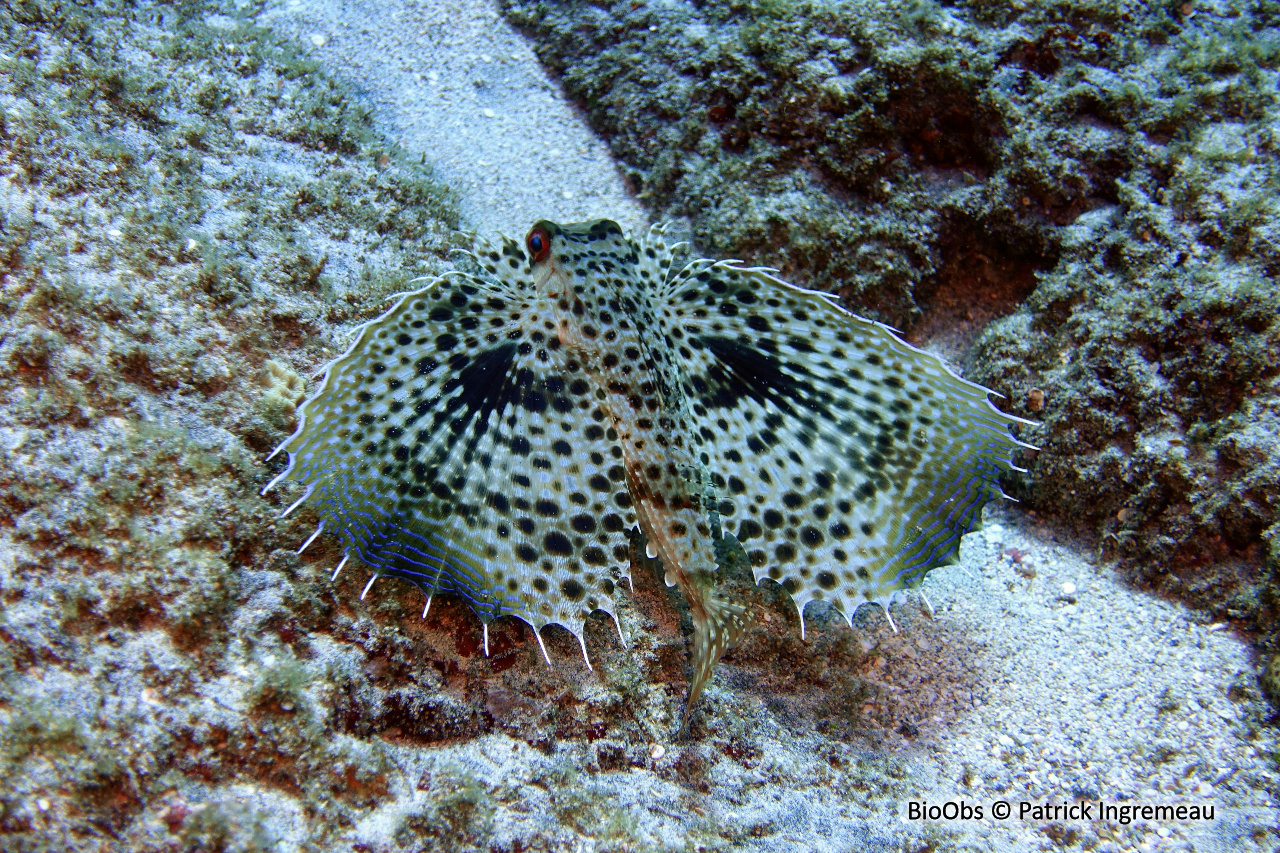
column 500, row 433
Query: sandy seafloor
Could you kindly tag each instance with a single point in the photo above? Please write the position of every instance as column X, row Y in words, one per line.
column 1083, row 689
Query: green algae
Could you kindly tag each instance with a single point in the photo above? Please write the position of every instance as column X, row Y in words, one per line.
column 459, row 815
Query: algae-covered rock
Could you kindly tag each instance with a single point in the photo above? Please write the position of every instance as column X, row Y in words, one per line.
column 173, row 179
column 1270, row 678
column 1086, row 190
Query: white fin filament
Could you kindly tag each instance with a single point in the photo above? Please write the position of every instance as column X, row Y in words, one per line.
column 368, row 586
column 312, row 537
column 538, row 634
column 338, row 570
column 621, row 637
column 285, row 473
column 299, row 501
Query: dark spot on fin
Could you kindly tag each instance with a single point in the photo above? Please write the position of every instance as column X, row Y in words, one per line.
column 744, row 371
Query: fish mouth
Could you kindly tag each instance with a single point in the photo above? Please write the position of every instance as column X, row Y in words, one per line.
column 543, row 281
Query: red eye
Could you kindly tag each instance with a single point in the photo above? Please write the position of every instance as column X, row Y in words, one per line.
column 539, row 243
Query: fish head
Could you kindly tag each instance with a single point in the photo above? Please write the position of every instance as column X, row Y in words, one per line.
column 588, row 274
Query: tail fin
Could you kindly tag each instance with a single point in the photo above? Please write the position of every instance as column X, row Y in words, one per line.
column 717, row 627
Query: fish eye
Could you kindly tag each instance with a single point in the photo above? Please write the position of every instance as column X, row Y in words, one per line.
column 539, row 243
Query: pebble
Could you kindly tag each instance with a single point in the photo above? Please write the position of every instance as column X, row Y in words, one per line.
column 657, row 751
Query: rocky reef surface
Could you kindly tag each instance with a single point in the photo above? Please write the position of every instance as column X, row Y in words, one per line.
column 197, row 209
column 1074, row 198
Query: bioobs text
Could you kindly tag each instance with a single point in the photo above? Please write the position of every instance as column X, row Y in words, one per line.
column 950, row 810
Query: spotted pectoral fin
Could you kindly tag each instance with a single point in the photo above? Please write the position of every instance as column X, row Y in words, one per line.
column 655, row 258
column 848, row 463
column 468, row 458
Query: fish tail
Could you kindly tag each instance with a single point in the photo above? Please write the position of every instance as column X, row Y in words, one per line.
column 717, row 625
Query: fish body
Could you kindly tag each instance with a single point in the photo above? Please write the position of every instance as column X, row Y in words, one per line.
column 498, row 434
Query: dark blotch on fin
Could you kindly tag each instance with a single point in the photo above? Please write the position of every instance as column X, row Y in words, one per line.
column 743, row 371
